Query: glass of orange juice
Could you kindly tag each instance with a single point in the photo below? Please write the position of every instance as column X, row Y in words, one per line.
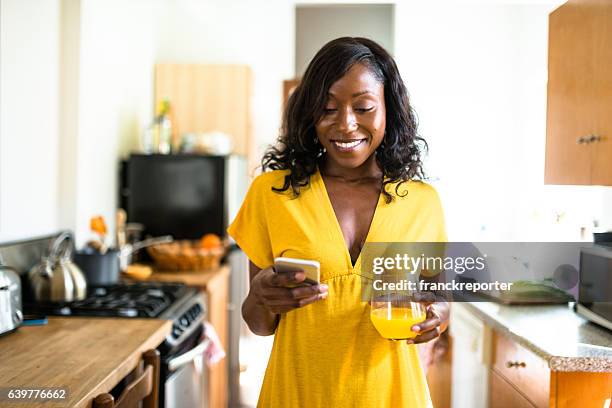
column 394, row 314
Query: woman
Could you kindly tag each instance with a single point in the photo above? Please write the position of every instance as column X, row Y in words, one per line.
column 341, row 174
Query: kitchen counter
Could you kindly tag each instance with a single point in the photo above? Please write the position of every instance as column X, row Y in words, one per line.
column 89, row 356
column 556, row 333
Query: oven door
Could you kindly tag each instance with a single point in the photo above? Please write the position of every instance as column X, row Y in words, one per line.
column 184, row 377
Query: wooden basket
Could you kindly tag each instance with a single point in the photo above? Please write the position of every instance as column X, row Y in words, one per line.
column 185, row 255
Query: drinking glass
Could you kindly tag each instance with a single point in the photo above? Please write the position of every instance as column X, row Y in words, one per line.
column 394, row 314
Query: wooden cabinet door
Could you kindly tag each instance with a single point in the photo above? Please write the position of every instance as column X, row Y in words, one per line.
column 601, row 164
column 503, row 395
column 579, row 94
column 580, row 389
column 208, row 97
column 523, row 369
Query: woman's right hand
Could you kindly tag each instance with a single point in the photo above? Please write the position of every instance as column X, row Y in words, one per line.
column 272, row 291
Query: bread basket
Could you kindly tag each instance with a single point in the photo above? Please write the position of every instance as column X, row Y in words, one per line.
column 186, row 255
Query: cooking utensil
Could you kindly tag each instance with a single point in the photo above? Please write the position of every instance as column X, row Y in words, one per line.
column 10, row 300
column 120, row 228
column 125, row 255
column 55, row 278
column 99, row 269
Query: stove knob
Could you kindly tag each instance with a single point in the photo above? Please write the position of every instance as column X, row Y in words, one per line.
column 184, row 321
column 177, row 332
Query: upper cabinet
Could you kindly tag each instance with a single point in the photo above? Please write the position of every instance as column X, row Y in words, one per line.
column 579, row 110
column 207, row 97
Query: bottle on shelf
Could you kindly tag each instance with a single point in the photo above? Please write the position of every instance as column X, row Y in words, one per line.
column 162, row 128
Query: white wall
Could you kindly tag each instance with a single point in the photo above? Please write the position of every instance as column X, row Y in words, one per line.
column 318, row 24
column 260, row 34
column 477, row 73
column 29, row 92
column 115, row 80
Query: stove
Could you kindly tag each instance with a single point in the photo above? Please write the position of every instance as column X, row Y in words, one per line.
column 182, row 383
column 182, row 304
column 120, row 300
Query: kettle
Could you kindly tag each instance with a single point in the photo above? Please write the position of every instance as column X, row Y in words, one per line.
column 56, row 278
column 10, row 300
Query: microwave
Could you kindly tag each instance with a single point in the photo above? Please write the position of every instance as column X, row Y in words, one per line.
column 595, row 285
column 186, row 195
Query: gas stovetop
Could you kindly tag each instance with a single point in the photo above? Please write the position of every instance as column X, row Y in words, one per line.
column 181, row 304
column 146, row 299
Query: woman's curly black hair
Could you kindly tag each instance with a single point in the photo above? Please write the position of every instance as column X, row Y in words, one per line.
column 297, row 149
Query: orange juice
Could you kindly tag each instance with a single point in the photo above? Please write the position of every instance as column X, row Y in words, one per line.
column 395, row 323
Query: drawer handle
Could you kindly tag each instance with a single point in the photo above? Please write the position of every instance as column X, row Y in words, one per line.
column 516, row 364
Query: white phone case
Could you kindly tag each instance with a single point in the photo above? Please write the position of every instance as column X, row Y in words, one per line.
column 311, row 268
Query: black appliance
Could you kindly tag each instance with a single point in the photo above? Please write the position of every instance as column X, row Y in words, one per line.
column 595, row 287
column 185, row 196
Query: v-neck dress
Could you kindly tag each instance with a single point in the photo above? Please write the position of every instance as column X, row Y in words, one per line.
column 328, row 354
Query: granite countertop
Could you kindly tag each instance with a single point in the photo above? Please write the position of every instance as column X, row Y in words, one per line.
column 567, row 341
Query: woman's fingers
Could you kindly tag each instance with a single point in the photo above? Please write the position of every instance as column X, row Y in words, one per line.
column 307, row 291
column 426, row 336
column 295, row 293
column 284, row 279
column 286, row 305
column 428, row 329
column 432, row 321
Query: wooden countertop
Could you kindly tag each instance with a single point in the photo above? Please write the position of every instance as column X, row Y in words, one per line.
column 87, row 355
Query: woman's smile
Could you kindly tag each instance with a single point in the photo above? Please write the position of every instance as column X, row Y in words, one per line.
column 348, row 146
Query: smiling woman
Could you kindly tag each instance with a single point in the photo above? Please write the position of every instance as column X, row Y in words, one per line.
column 377, row 106
column 342, row 174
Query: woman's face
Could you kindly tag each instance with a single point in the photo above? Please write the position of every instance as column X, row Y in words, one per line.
column 353, row 123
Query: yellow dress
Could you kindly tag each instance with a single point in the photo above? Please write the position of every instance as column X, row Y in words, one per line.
column 328, row 354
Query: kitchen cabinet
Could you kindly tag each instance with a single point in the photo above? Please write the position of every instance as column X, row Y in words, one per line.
column 522, row 370
column 522, row 379
column 470, row 359
column 215, row 285
column 528, row 356
column 439, row 372
column 579, row 109
column 504, row 395
column 209, row 97
column 289, row 86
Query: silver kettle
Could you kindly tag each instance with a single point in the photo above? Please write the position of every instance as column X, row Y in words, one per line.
column 56, row 278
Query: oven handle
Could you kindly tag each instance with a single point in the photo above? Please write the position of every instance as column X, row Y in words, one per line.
column 188, row 357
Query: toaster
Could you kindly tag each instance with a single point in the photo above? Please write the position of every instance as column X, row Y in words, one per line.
column 10, row 300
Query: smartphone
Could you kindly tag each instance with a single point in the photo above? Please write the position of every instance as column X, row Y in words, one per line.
column 311, row 269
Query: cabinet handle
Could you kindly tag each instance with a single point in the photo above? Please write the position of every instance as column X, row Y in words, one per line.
column 588, row 139
column 516, row 364
column 593, row 138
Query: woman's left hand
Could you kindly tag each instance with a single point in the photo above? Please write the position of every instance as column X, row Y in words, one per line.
column 436, row 321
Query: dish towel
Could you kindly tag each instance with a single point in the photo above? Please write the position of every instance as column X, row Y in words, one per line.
column 215, row 352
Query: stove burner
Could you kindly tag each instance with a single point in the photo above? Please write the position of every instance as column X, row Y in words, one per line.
column 146, row 299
